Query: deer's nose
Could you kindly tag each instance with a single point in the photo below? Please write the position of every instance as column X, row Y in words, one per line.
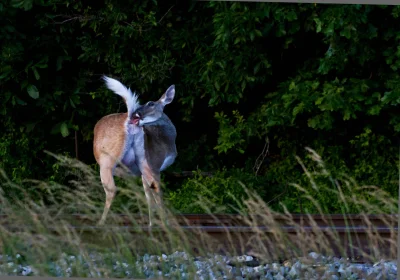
column 136, row 115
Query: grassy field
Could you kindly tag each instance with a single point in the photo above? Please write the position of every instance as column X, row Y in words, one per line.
column 47, row 246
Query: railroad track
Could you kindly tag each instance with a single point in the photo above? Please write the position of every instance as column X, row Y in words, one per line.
column 359, row 235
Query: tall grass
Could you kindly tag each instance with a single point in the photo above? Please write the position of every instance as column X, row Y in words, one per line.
column 37, row 225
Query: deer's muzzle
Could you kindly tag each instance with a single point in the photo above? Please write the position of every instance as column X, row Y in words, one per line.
column 135, row 118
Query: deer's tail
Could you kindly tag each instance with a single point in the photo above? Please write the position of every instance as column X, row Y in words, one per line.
column 131, row 99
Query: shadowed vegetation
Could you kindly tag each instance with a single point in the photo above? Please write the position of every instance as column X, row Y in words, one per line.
column 39, row 239
column 256, row 83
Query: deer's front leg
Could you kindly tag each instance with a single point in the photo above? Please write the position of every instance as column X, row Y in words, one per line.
column 153, row 190
column 149, row 199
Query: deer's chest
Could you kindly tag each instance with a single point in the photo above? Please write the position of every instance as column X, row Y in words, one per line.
column 133, row 155
column 128, row 157
column 138, row 147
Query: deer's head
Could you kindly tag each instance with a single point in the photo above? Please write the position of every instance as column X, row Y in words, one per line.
column 152, row 110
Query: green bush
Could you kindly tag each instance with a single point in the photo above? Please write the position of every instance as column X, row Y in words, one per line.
column 223, row 191
column 303, row 75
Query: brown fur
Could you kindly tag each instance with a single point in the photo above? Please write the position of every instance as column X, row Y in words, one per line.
column 109, row 137
column 108, row 145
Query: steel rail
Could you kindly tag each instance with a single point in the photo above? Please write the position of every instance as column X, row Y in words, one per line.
column 353, row 231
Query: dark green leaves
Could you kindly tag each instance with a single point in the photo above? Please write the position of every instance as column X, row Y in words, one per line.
column 64, row 129
column 303, row 75
column 231, row 134
column 33, row 91
column 22, row 4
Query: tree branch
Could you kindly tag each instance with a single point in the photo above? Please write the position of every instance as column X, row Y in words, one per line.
column 261, row 157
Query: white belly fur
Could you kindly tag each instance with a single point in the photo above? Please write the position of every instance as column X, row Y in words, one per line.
column 167, row 162
column 129, row 156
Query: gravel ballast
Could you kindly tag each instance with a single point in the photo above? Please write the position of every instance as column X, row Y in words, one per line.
column 180, row 265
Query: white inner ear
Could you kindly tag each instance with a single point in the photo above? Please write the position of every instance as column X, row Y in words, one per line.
column 163, row 98
column 168, row 93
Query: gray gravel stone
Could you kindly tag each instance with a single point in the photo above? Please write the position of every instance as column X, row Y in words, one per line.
column 180, row 265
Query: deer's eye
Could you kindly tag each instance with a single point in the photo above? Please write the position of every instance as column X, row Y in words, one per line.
column 151, row 104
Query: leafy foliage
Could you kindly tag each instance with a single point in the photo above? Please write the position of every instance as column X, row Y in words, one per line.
column 323, row 76
column 223, row 192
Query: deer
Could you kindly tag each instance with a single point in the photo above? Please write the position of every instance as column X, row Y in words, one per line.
column 141, row 139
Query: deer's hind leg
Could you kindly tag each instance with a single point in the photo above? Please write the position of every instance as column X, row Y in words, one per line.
column 107, row 180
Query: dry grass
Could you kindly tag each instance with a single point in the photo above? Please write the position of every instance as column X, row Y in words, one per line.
column 38, row 225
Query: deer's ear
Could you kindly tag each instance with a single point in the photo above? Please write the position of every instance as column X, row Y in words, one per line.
column 168, row 96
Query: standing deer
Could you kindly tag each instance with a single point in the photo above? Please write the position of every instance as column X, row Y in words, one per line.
column 142, row 139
